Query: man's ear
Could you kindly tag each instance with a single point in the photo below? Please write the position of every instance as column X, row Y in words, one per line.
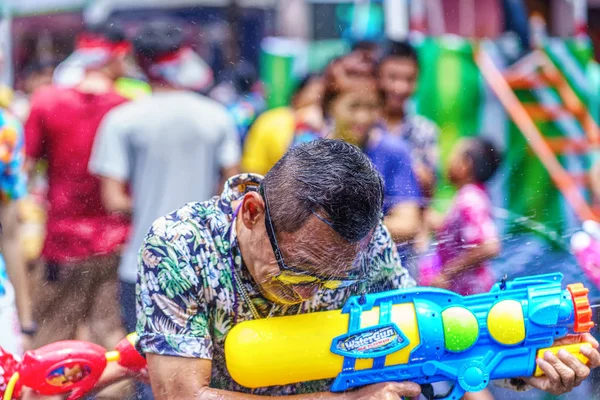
column 253, row 209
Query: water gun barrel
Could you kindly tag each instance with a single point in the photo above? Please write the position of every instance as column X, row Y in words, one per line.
column 422, row 335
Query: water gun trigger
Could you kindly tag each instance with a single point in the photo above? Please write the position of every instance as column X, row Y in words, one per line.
column 455, row 392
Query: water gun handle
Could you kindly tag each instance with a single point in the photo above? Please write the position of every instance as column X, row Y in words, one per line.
column 128, row 356
column 574, row 349
column 457, row 392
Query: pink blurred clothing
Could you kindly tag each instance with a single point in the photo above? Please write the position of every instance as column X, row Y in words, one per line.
column 469, row 223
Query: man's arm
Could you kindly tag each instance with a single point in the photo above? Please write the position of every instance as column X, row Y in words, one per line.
column 402, row 196
column 189, row 378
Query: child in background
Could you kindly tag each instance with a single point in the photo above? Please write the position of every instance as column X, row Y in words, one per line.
column 467, row 237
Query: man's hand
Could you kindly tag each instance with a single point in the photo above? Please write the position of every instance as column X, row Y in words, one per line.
column 388, row 390
column 565, row 372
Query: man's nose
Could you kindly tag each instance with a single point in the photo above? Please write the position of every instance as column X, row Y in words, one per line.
column 402, row 87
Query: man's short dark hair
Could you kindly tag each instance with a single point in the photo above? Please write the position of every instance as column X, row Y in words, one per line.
column 395, row 49
column 157, row 38
column 330, row 177
column 113, row 31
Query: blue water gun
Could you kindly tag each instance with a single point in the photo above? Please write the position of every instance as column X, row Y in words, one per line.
column 422, row 335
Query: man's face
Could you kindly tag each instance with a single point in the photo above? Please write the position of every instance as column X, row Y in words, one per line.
column 355, row 112
column 397, row 80
column 314, row 250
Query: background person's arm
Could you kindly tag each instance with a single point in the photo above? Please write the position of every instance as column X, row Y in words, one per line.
column 404, row 221
column 110, row 160
column 13, row 187
column 115, row 196
column 10, row 246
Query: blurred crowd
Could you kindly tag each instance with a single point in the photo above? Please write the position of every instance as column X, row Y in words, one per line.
column 130, row 127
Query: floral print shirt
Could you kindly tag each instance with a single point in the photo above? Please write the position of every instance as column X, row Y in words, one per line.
column 187, row 299
column 469, row 223
column 13, row 179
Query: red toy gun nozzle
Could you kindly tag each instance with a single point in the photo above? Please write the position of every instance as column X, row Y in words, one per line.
column 581, row 305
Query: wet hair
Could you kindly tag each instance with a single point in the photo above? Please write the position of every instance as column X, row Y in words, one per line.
column 394, row 49
column 331, row 177
column 158, row 38
column 486, row 158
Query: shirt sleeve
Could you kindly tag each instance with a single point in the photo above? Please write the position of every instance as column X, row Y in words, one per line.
column 477, row 226
column 229, row 153
column 34, row 127
column 172, row 313
column 14, row 179
column 385, row 269
column 110, row 155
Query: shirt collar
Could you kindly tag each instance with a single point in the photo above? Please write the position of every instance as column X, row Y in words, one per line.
column 236, row 187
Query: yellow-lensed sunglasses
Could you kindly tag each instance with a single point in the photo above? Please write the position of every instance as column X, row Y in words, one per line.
column 295, row 276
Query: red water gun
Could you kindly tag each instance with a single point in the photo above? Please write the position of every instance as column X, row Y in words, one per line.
column 69, row 366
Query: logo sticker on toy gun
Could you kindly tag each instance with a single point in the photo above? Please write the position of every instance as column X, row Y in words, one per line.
column 370, row 342
column 67, row 375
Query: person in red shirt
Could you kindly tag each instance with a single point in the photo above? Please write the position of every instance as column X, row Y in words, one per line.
column 77, row 278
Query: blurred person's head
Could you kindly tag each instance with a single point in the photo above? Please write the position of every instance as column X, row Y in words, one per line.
column 101, row 48
column 308, row 92
column 397, row 71
column 353, row 104
column 299, row 232
column 245, row 77
column 37, row 74
column 163, row 56
column 366, row 54
column 473, row 160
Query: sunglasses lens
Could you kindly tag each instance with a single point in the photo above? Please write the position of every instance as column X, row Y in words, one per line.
column 337, row 284
column 295, row 279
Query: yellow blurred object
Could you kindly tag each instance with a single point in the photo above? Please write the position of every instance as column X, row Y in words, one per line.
column 6, row 96
column 132, row 88
column 33, row 222
column 301, row 344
